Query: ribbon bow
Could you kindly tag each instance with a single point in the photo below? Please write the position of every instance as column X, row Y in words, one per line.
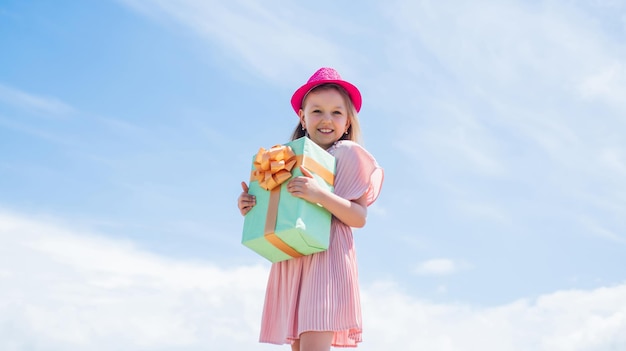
column 273, row 167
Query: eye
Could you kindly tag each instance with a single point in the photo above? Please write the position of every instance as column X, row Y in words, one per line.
column 317, row 111
column 339, row 113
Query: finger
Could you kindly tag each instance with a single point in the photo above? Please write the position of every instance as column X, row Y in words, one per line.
column 247, row 198
column 306, row 172
column 244, row 186
column 248, row 202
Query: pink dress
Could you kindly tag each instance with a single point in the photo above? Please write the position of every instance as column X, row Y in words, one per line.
column 320, row 292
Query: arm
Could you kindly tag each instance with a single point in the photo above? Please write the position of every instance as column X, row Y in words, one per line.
column 352, row 213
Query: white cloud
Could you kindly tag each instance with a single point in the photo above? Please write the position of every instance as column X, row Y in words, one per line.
column 63, row 288
column 566, row 320
column 76, row 290
column 440, row 266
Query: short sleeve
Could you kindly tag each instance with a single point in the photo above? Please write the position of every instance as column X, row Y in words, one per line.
column 357, row 172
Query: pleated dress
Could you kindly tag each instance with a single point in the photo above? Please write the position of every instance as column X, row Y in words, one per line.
column 320, row 292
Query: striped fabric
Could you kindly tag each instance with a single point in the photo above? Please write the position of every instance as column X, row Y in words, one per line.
column 320, row 292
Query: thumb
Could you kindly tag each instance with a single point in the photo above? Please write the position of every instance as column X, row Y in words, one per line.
column 244, row 186
column 306, row 172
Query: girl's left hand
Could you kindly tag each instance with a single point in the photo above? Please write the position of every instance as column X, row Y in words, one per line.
column 305, row 187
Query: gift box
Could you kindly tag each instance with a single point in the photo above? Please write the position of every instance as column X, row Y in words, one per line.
column 281, row 226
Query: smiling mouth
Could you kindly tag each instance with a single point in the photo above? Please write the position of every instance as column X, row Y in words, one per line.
column 325, row 130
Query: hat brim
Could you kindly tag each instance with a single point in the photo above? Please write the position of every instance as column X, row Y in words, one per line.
column 353, row 92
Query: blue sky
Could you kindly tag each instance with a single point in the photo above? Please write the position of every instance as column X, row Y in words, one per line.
column 126, row 127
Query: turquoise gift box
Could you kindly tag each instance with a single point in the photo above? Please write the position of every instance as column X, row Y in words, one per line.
column 281, row 226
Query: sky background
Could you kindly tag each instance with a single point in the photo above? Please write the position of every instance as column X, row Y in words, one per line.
column 126, row 127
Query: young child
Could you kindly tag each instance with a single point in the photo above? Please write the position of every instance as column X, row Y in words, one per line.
column 313, row 301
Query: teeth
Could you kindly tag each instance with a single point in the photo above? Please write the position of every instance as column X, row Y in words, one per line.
column 326, row 130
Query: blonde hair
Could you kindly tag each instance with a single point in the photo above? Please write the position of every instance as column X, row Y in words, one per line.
column 354, row 130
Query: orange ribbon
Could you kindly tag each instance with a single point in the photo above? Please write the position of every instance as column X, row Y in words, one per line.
column 270, row 226
column 273, row 166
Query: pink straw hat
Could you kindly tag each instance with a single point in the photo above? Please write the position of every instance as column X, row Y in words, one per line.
column 325, row 75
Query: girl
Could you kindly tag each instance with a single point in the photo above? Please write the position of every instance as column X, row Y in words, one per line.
column 313, row 301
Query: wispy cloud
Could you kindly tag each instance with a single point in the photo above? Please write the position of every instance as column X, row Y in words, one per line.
column 46, row 110
column 272, row 43
column 523, row 94
column 36, row 131
column 607, row 84
column 457, row 142
column 45, row 106
column 601, row 230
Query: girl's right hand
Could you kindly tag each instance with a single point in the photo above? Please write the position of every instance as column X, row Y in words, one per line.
column 245, row 201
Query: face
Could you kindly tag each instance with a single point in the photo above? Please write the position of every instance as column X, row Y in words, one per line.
column 325, row 116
